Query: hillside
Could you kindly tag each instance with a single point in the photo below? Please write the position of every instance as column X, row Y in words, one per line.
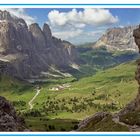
column 96, row 59
column 104, row 91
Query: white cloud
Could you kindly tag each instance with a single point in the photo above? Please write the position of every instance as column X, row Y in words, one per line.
column 20, row 12
column 79, row 19
column 79, row 26
column 68, row 34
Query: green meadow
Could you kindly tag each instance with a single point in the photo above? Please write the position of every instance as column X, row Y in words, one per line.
column 61, row 109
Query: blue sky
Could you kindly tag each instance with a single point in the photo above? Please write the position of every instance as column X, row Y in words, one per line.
column 79, row 25
column 126, row 16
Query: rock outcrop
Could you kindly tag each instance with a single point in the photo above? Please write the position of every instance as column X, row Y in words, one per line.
column 135, row 104
column 9, row 121
column 29, row 51
column 118, row 39
column 136, row 35
column 94, row 119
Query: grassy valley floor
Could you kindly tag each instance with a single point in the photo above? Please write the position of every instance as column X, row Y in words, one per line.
column 62, row 104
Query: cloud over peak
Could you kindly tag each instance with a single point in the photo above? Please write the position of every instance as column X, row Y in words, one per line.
column 77, row 25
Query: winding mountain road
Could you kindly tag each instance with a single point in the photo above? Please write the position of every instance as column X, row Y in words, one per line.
column 30, row 103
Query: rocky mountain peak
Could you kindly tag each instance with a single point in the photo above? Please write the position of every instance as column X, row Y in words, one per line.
column 36, row 30
column 5, row 15
column 34, row 27
column 118, row 39
column 39, row 38
column 47, row 31
column 31, row 50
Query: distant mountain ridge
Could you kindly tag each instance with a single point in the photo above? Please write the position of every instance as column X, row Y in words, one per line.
column 117, row 39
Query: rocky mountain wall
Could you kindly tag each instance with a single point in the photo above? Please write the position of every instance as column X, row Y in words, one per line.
column 29, row 50
column 118, row 39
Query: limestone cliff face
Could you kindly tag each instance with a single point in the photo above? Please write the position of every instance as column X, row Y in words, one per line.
column 29, row 51
column 118, row 39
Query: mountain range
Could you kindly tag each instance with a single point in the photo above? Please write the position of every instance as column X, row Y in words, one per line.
column 33, row 54
column 30, row 52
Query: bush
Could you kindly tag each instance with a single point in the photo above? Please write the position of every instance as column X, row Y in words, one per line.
column 33, row 113
column 62, row 129
column 19, row 103
column 51, row 127
column 75, row 127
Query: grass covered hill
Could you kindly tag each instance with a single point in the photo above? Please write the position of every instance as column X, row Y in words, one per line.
column 96, row 59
